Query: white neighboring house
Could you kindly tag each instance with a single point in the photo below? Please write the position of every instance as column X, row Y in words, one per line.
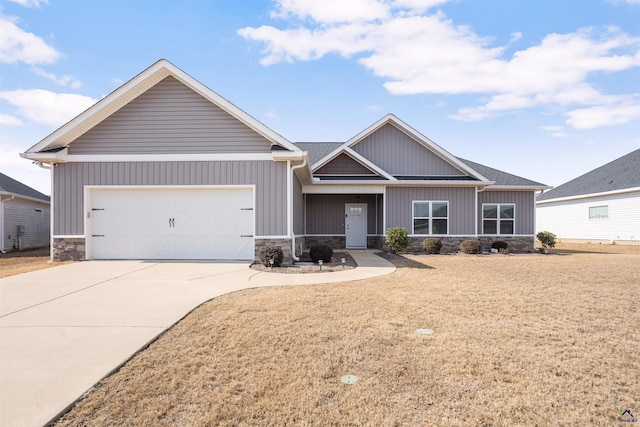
column 24, row 216
column 600, row 206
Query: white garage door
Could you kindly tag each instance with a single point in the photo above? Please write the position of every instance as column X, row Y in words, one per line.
column 171, row 223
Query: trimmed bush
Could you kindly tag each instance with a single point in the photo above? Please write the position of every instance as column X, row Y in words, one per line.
column 547, row 239
column 432, row 245
column 268, row 252
column 499, row 245
column 470, row 247
column 397, row 239
column 320, row 252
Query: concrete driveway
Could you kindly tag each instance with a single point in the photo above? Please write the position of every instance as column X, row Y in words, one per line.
column 65, row 328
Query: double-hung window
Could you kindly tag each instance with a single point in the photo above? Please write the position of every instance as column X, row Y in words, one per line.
column 498, row 218
column 430, row 217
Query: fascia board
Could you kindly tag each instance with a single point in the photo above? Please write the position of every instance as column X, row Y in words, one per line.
column 136, row 86
column 589, row 196
column 405, row 183
column 361, row 159
column 20, row 196
column 518, row 187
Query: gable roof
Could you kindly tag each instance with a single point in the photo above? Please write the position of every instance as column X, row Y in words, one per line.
column 95, row 114
column 620, row 174
column 12, row 187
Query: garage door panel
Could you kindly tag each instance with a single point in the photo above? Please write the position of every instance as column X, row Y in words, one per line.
column 172, row 223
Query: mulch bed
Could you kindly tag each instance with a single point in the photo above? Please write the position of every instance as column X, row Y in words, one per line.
column 328, row 267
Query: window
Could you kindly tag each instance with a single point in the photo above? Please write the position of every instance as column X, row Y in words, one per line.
column 598, row 212
column 430, row 217
column 498, row 218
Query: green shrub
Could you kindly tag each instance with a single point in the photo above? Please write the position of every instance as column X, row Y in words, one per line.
column 397, row 239
column 320, row 252
column 432, row 245
column 470, row 247
column 547, row 239
column 269, row 252
column 500, row 245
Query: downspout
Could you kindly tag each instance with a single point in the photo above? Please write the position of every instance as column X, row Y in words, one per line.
column 476, row 225
column 293, row 238
column 49, row 168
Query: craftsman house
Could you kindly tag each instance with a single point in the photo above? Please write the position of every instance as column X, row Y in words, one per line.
column 165, row 168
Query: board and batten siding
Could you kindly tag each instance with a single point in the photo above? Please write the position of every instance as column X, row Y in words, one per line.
column 170, row 118
column 269, row 177
column 326, row 212
column 34, row 216
column 298, row 207
column 343, row 165
column 461, row 206
column 570, row 219
column 398, row 154
column 524, row 204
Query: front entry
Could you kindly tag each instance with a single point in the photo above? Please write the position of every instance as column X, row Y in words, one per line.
column 355, row 224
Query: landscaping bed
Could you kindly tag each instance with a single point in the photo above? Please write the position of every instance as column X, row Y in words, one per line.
column 306, row 266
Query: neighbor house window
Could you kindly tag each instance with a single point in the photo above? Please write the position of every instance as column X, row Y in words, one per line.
column 498, row 218
column 430, row 217
column 598, row 212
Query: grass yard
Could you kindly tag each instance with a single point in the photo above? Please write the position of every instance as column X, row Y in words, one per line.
column 17, row 262
column 519, row 340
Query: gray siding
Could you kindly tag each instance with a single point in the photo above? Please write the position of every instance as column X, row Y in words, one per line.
column 343, row 165
column 269, row 177
column 25, row 212
column 398, row 154
column 325, row 212
column 298, row 207
column 170, row 118
column 525, row 208
column 461, row 206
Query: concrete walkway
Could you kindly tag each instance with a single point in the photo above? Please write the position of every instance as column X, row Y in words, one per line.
column 63, row 329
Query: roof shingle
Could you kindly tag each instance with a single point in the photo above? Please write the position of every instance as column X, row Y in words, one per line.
column 10, row 185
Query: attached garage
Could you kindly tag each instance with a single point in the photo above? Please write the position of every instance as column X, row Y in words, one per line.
column 170, row 222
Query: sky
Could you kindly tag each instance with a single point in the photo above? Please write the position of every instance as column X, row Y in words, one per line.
column 544, row 89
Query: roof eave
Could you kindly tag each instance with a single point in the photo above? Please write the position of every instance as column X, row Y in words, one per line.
column 590, row 195
column 534, row 187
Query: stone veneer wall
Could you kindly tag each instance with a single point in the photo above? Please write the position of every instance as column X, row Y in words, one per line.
column 68, row 249
column 284, row 244
column 517, row 244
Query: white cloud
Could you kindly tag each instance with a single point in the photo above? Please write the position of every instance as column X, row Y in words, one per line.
column 417, row 52
column 555, row 131
column 6, row 120
column 65, row 80
column 30, row 3
column 17, row 45
column 45, row 107
column 617, row 112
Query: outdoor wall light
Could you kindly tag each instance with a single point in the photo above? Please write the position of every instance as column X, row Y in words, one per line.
column 320, row 263
column 344, row 260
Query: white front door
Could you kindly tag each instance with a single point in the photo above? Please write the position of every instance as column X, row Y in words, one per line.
column 355, row 223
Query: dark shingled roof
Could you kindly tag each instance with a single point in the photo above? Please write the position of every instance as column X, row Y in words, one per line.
column 318, row 150
column 10, row 185
column 500, row 177
column 616, row 175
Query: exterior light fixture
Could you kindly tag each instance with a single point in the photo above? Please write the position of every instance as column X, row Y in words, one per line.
column 344, row 260
column 271, row 262
column 320, row 263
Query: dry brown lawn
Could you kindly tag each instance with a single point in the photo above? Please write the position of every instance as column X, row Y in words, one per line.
column 18, row 262
column 519, row 340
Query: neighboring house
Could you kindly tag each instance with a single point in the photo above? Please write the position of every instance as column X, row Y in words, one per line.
column 24, row 216
column 165, row 168
column 600, row 206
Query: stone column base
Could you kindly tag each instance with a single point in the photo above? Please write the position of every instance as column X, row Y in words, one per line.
column 68, row 249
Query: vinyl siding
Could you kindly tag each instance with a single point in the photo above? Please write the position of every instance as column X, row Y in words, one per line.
column 343, row 165
column 270, row 179
column 298, row 207
column 325, row 212
column 525, row 208
column 398, row 154
column 461, row 206
column 170, row 118
column 23, row 212
column 570, row 219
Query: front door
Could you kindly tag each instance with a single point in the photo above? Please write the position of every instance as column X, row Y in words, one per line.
column 355, row 224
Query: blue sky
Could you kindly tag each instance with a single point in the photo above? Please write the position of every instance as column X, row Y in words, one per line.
column 545, row 89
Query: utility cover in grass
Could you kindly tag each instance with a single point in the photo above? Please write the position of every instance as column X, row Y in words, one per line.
column 349, row 379
column 423, row 331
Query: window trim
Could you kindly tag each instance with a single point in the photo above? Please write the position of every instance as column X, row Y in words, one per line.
column 498, row 219
column 430, row 217
column 599, row 218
